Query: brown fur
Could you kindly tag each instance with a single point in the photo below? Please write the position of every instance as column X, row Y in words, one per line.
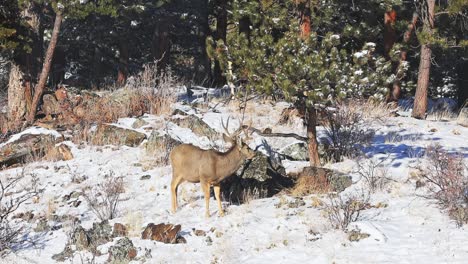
column 209, row 167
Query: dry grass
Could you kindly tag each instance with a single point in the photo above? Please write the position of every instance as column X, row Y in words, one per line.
column 369, row 109
column 307, row 185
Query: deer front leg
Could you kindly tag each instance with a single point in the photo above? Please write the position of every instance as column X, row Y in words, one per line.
column 206, row 191
column 217, row 190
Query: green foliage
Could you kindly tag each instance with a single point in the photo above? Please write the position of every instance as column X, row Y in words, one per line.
column 319, row 69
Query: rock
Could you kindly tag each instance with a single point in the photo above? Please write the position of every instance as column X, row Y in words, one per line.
column 100, row 233
column 462, row 119
column 158, row 142
column 145, row 177
column 107, row 134
column 60, row 152
column 197, row 125
column 319, row 180
column 80, row 238
column 139, row 123
column 42, row 226
column 122, row 252
column 199, row 232
column 296, row 151
column 356, row 235
column 64, row 255
column 119, row 230
column 260, row 177
column 163, row 233
column 179, row 112
column 50, row 105
column 26, row 146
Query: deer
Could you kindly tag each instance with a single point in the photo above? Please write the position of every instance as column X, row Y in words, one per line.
column 208, row 167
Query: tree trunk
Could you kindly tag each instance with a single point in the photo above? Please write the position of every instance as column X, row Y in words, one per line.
column 389, row 31
column 420, row 98
column 123, row 62
column 395, row 92
column 221, row 32
column 311, row 116
column 305, row 19
column 161, row 43
column 244, row 27
column 16, row 95
column 39, row 90
column 462, row 83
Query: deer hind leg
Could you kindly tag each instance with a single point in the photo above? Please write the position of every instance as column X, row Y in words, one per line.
column 206, row 191
column 217, row 191
column 174, row 185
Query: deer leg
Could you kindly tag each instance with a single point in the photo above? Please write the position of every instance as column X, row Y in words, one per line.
column 217, row 190
column 174, row 185
column 206, row 191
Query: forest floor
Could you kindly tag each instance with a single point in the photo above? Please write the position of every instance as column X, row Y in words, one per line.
column 402, row 225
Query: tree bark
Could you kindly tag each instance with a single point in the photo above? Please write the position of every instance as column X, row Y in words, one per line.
column 39, row 89
column 389, row 31
column 420, row 98
column 122, row 73
column 305, row 19
column 311, row 116
column 395, row 92
column 221, row 32
column 161, row 43
column 244, row 27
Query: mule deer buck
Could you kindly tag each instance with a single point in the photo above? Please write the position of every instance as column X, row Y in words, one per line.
column 208, row 167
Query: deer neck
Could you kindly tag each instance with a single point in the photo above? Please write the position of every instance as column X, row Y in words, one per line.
column 230, row 162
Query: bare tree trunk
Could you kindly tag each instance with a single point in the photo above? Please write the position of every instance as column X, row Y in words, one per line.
column 420, row 98
column 161, row 43
column 123, row 62
column 389, row 31
column 221, row 32
column 16, row 95
column 39, row 90
column 305, row 19
column 311, row 116
column 395, row 92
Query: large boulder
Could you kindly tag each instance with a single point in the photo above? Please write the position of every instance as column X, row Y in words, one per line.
column 33, row 142
column 462, row 119
column 296, row 151
column 259, row 177
column 108, row 134
column 197, row 125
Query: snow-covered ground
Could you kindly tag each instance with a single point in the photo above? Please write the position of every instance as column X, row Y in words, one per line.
column 410, row 229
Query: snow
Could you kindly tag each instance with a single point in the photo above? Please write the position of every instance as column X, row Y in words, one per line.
column 410, row 229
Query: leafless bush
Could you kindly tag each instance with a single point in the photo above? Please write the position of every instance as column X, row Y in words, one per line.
column 373, row 172
column 104, row 197
column 12, row 195
column 155, row 89
column 343, row 210
column 446, row 179
column 345, row 133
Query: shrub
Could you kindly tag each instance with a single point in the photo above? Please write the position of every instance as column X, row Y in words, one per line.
column 104, row 197
column 373, row 172
column 12, row 195
column 446, row 180
column 345, row 209
column 344, row 132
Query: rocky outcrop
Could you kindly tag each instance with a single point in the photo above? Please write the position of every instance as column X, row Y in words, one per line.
column 108, row 134
column 31, row 143
column 319, row 180
column 260, row 177
column 166, row 233
column 197, row 125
